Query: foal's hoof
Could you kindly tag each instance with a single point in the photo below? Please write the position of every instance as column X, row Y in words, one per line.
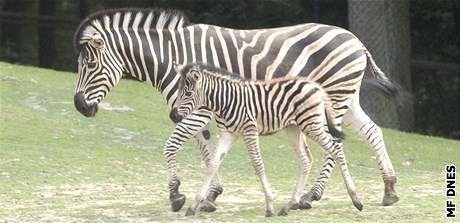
column 307, row 199
column 190, row 212
column 269, row 213
column 207, row 206
column 294, row 207
column 305, row 204
column 390, row 198
column 358, row 205
column 283, row 212
column 177, row 202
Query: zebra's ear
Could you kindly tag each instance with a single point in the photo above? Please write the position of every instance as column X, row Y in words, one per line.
column 97, row 41
column 195, row 75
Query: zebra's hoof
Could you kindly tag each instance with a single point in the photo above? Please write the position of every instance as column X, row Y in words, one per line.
column 283, row 212
column 305, row 204
column 358, row 205
column 269, row 213
column 207, row 206
column 390, row 198
column 294, row 207
column 190, row 212
column 177, row 202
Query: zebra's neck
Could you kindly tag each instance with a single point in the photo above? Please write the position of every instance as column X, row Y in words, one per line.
column 152, row 57
column 218, row 94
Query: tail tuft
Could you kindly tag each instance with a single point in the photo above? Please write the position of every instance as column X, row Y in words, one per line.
column 332, row 126
column 390, row 89
column 380, row 80
column 336, row 133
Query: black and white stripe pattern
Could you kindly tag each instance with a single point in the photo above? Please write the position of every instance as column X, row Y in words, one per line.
column 248, row 109
column 144, row 44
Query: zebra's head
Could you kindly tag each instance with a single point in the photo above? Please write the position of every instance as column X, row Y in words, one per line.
column 98, row 71
column 190, row 96
column 111, row 43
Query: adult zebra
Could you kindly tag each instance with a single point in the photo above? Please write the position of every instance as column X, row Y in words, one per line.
column 144, row 44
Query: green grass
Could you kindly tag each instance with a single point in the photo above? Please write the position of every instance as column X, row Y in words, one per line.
column 58, row 166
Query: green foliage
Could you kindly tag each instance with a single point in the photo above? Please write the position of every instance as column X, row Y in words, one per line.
column 56, row 165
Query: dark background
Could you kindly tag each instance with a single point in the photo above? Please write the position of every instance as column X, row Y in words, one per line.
column 416, row 42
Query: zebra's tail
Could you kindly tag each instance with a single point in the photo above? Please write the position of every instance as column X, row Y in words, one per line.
column 380, row 80
column 331, row 124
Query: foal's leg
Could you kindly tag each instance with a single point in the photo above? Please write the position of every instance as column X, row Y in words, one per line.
column 358, row 120
column 305, row 163
column 181, row 133
column 225, row 142
column 318, row 134
column 361, row 124
column 317, row 190
column 204, row 142
column 251, row 139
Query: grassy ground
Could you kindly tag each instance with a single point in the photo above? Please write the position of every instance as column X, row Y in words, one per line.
column 58, row 166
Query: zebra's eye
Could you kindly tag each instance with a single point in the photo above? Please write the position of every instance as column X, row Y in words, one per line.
column 188, row 93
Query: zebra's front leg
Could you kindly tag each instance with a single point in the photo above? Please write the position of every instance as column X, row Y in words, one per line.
column 251, row 139
column 225, row 142
column 360, row 123
column 305, row 163
column 171, row 147
column 185, row 129
column 204, row 142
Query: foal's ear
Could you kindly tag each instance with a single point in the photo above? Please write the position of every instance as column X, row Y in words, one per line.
column 195, row 75
column 97, row 41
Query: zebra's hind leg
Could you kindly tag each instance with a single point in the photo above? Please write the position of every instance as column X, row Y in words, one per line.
column 339, row 156
column 334, row 148
column 317, row 190
column 358, row 120
column 204, row 142
column 305, row 163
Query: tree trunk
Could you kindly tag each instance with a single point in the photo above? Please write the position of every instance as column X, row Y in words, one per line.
column 383, row 27
column 2, row 4
column 82, row 9
column 46, row 41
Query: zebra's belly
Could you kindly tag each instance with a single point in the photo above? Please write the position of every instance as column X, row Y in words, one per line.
column 268, row 127
column 273, row 126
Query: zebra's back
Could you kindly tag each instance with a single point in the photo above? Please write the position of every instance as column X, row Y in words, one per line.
column 328, row 55
column 270, row 105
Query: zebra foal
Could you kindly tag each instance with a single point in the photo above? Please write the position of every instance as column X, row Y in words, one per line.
column 248, row 109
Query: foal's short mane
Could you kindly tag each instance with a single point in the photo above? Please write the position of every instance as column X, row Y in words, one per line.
column 168, row 18
column 220, row 73
column 211, row 70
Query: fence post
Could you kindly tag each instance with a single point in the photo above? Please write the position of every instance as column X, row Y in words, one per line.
column 383, row 27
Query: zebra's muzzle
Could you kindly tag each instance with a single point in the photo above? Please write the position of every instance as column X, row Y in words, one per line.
column 88, row 110
column 174, row 115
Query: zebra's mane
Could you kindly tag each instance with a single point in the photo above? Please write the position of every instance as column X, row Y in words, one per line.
column 161, row 19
